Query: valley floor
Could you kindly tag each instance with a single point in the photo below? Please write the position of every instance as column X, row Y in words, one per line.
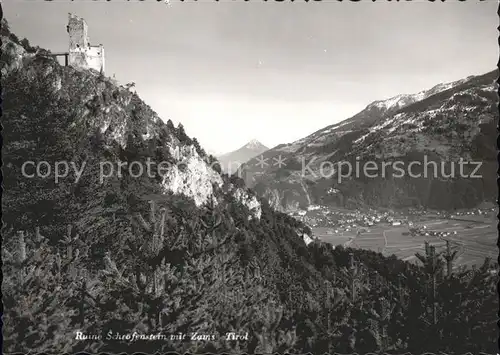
column 475, row 239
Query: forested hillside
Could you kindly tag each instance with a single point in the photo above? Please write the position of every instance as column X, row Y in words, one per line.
column 191, row 251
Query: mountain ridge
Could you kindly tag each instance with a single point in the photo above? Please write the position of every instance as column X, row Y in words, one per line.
column 374, row 132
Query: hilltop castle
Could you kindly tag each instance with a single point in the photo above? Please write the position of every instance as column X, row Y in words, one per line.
column 81, row 53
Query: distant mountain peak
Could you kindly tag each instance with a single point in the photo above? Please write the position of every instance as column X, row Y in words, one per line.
column 254, row 144
column 242, row 155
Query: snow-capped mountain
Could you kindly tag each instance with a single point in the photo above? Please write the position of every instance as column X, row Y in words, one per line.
column 230, row 162
column 255, row 145
column 444, row 124
column 400, row 101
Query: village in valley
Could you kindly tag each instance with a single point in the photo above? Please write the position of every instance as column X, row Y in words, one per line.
column 472, row 233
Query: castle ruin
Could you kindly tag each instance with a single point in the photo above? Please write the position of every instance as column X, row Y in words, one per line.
column 81, row 53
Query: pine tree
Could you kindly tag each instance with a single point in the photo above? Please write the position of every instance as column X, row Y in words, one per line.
column 271, row 316
column 450, row 257
column 332, row 301
column 355, row 274
column 432, row 266
column 21, row 256
column 214, row 219
column 151, row 243
column 170, row 125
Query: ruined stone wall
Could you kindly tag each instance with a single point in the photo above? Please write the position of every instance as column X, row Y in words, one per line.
column 78, row 59
column 78, row 33
column 95, row 58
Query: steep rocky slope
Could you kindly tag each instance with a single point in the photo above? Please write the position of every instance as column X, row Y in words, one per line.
column 443, row 124
column 82, row 120
column 187, row 251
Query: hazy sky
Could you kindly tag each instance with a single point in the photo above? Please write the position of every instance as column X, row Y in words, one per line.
column 233, row 71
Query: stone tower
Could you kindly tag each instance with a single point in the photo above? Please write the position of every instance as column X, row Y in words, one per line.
column 81, row 53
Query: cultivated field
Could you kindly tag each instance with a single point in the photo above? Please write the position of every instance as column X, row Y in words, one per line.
column 475, row 239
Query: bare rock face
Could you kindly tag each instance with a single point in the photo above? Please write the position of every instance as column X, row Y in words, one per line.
column 248, row 201
column 192, row 177
column 307, row 239
column 16, row 55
